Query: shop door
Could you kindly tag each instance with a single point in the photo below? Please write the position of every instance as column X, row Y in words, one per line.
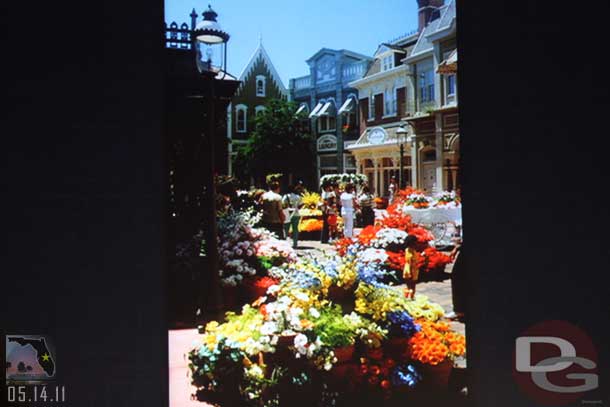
column 428, row 177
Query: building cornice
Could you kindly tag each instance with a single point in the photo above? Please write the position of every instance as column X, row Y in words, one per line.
column 380, row 76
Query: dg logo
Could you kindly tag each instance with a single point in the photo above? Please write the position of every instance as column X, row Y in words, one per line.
column 555, row 363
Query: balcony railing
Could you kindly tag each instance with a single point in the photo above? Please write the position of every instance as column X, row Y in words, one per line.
column 354, row 71
column 303, row 82
column 177, row 36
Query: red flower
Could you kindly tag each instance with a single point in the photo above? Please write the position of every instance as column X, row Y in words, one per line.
column 342, row 244
column 367, row 234
column 396, row 260
column 395, row 218
column 385, row 384
column 423, row 235
column 432, row 259
column 265, row 282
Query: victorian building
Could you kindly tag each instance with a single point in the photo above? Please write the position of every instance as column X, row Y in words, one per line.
column 260, row 82
column 412, row 84
column 331, row 105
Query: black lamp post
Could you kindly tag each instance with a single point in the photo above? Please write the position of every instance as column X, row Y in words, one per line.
column 400, row 138
column 209, row 33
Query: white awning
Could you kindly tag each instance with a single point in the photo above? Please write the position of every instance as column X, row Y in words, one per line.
column 328, row 109
column 301, row 109
column 348, row 106
column 315, row 110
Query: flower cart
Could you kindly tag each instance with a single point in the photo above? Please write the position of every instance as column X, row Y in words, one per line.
column 311, row 223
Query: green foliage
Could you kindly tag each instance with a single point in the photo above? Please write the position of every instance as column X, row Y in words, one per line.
column 332, row 329
column 279, row 143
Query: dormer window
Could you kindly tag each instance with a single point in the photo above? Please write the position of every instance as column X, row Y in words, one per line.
column 387, row 62
column 260, row 85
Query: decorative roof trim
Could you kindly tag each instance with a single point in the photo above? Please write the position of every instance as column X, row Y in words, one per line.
column 338, row 51
column 260, row 51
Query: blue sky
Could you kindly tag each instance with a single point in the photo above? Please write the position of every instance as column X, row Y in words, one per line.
column 293, row 31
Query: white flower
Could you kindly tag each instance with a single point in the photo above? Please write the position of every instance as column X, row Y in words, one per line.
column 300, row 340
column 301, row 296
column 269, row 328
column 273, row 289
column 314, row 313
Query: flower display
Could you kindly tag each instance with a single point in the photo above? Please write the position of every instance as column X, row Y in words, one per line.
column 310, row 212
column 418, row 201
column 447, row 199
column 435, row 342
column 310, row 225
column 342, row 179
column 372, row 255
column 315, row 317
column 311, row 200
column 244, row 250
column 389, row 236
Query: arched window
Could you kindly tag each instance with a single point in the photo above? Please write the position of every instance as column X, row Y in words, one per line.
column 260, row 85
column 241, row 111
column 258, row 109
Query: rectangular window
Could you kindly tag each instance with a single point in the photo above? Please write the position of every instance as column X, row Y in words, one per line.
column 426, row 87
column 332, row 123
column 451, row 85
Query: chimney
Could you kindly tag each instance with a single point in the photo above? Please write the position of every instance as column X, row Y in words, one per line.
column 428, row 11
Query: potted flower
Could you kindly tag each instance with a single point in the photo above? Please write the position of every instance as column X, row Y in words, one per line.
column 336, row 332
column 435, row 346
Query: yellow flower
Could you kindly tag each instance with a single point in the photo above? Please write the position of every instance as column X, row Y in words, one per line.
column 211, row 326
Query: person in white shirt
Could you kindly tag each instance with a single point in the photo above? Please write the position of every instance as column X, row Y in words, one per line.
column 327, row 193
column 348, row 205
column 292, row 203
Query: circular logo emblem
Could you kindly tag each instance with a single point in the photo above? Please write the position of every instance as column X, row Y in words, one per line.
column 555, row 363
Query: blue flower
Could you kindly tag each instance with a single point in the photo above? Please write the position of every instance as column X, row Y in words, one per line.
column 405, row 375
column 371, row 273
column 402, row 324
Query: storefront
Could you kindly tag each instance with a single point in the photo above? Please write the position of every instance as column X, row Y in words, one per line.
column 377, row 155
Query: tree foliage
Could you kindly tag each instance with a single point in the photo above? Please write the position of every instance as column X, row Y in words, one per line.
column 280, row 142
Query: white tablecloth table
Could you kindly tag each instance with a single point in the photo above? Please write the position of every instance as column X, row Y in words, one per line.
column 436, row 215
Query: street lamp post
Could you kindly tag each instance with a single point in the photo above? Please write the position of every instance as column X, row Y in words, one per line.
column 209, row 33
column 400, row 135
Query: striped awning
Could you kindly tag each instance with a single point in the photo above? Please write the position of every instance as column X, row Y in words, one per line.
column 327, row 110
column 301, row 109
column 449, row 65
column 348, row 106
column 314, row 112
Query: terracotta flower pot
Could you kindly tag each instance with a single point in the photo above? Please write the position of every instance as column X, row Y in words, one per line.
column 397, row 347
column 374, row 353
column 344, row 353
column 437, row 376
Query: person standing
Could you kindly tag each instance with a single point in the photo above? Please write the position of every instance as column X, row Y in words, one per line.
column 365, row 200
column 392, row 189
column 293, row 202
column 273, row 214
column 327, row 193
column 459, row 283
column 331, row 216
column 348, row 205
